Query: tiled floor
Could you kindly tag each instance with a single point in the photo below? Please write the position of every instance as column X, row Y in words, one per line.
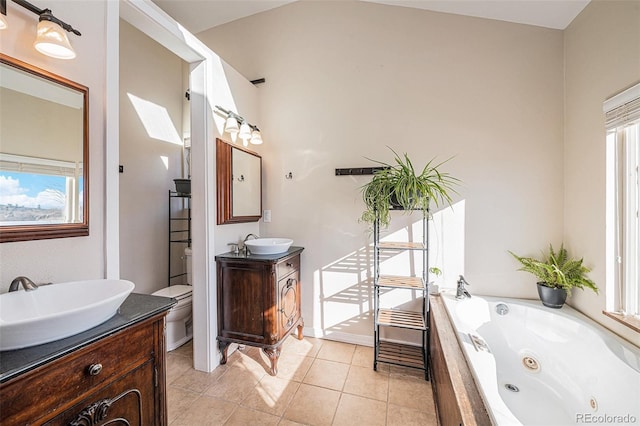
column 319, row 382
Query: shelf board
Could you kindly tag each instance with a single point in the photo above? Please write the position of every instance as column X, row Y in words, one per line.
column 399, row 354
column 401, row 319
column 390, row 245
column 395, row 281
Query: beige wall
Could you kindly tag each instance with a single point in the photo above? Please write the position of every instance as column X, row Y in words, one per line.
column 151, row 82
column 54, row 130
column 347, row 79
column 67, row 258
column 602, row 57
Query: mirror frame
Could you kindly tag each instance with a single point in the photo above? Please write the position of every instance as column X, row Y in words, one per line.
column 54, row 230
column 224, row 180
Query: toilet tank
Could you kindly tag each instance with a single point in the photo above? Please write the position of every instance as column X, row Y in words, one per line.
column 187, row 258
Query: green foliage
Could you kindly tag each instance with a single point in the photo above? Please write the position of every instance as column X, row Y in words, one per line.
column 399, row 184
column 557, row 270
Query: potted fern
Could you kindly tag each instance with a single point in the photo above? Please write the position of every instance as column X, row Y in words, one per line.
column 557, row 274
column 398, row 186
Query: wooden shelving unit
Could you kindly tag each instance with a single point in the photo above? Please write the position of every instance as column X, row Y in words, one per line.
column 392, row 352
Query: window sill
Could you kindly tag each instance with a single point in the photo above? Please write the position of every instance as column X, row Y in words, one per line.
column 628, row 320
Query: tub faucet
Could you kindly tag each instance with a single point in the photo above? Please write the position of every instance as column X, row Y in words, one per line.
column 461, row 291
column 26, row 283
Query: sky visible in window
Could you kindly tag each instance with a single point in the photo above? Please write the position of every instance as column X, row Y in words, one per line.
column 32, row 190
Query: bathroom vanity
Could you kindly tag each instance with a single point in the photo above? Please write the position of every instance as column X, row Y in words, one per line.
column 259, row 301
column 112, row 373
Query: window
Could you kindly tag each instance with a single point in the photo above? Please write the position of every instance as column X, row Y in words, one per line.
column 623, row 202
column 39, row 191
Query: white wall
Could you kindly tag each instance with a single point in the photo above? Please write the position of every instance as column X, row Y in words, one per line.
column 347, row 79
column 67, row 258
column 151, row 116
column 602, row 57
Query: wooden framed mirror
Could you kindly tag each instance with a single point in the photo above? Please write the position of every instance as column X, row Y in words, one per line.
column 239, row 184
column 44, row 154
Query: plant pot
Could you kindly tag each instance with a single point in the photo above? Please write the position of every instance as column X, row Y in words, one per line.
column 552, row 297
column 183, row 186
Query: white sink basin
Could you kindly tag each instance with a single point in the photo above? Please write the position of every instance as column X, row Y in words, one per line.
column 268, row 245
column 53, row 312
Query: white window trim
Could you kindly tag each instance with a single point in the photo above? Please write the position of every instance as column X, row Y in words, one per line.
column 622, row 114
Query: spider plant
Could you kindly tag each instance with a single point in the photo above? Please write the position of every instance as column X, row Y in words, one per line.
column 399, row 186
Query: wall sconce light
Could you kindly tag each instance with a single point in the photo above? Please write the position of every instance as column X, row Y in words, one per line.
column 51, row 33
column 236, row 125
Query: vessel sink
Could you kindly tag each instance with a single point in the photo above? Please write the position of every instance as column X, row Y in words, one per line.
column 268, row 245
column 56, row 311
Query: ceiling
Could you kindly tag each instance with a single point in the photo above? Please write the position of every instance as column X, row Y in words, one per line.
column 199, row 15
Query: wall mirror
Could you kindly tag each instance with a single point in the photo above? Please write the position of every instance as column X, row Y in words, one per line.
column 239, row 184
column 44, row 153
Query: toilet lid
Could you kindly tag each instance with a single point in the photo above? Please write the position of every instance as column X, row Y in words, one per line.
column 175, row 291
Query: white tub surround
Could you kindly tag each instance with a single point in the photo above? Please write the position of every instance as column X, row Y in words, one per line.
column 540, row 366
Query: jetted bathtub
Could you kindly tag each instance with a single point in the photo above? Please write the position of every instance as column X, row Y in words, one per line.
column 540, row 366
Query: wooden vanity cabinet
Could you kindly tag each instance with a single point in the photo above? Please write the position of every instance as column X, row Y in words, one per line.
column 119, row 379
column 259, row 301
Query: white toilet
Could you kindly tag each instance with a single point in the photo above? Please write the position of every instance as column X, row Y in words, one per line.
column 179, row 318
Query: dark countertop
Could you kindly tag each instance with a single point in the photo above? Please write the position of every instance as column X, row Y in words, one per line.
column 135, row 308
column 267, row 258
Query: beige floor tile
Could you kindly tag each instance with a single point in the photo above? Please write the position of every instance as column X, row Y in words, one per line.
column 198, row 381
column 176, row 366
column 178, row 401
column 272, row 395
column 402, row 416
column 244, row 416
column 327, row 374
column 293, row 367
column 363, row 381
column 206, row 411
column 184, row 350
column 355, row 410
column 363, row 356
column 308, row 346
column 253, row 360
column 235, row 385
column 313, row 405
column 287, row 422
column 337, row 351
column 411, row 392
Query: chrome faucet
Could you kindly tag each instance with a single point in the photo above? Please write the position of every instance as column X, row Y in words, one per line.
column 461, row 291
column 243, row 246
column 26, row 283
column 255, row 237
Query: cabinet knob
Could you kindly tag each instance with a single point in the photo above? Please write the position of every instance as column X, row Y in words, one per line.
column 290, row 282
column 94, row 369
column 289, row 264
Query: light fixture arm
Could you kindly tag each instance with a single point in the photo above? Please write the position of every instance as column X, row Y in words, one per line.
column 46, row 15
column 255, row 139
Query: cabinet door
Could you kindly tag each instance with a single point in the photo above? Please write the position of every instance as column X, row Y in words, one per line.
column 288, row 302
column 127, row 401
column 244, row 302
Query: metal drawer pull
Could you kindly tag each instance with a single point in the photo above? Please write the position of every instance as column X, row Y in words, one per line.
column 289, row 264
column 95, row 369
column 290, row 282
